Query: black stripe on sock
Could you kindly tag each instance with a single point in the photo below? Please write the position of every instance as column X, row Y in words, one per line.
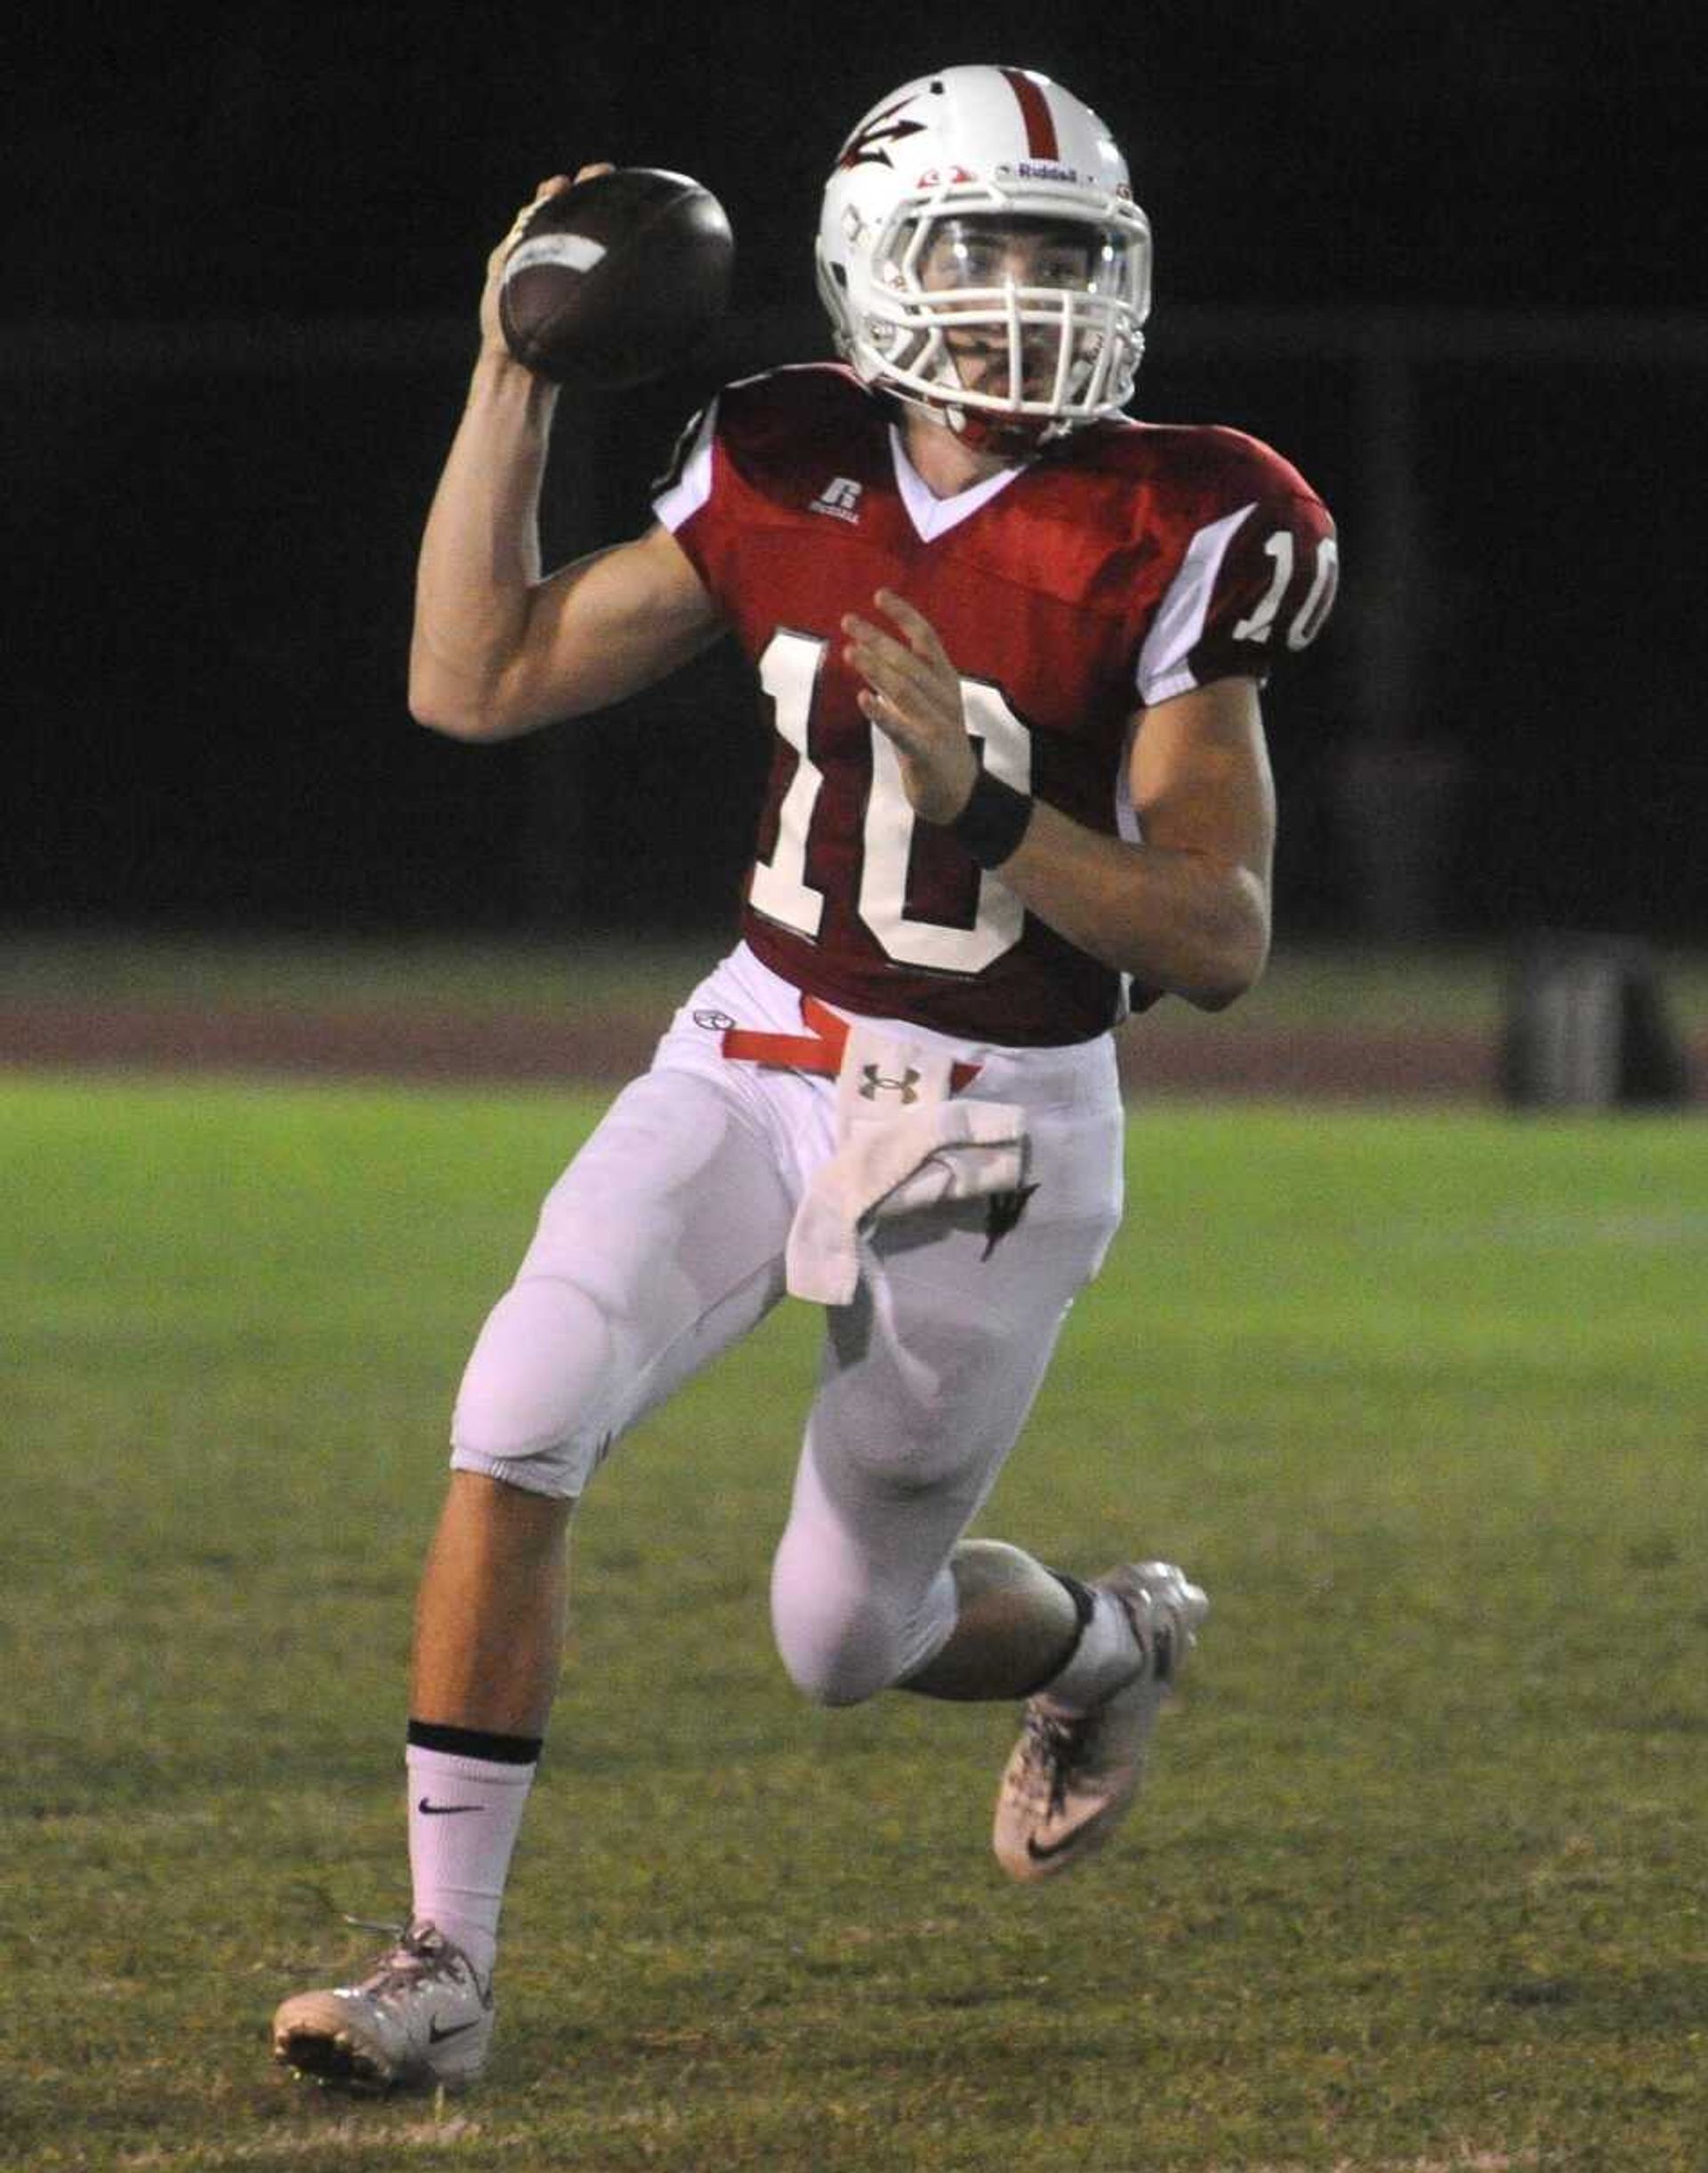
column 1085, row 1606
column 1082, row 1595
column 475, row 1742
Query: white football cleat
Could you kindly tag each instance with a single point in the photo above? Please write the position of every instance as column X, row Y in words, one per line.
column 1071, row 1775
column 423, row 2019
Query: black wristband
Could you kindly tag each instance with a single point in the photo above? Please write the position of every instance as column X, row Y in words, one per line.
column 994, row 821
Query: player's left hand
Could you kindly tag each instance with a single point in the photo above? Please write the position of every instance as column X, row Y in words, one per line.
column 912, row 694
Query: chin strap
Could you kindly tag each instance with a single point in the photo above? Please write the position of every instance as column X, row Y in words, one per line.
column 1014, row 436
column 1017, row 439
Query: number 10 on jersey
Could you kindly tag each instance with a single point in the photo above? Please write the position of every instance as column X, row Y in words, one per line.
column 788, row 672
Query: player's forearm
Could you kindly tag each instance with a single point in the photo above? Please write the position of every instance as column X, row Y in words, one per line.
column 1183, row 921
column 480, row 553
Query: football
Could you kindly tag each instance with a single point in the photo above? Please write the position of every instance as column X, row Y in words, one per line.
column 615, row 280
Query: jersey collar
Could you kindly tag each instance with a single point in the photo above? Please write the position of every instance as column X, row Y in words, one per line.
column 930, row 515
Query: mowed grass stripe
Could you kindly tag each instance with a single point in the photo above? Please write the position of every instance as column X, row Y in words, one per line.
column 1418, row 1879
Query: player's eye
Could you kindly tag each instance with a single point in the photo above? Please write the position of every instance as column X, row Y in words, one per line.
column 979, row 261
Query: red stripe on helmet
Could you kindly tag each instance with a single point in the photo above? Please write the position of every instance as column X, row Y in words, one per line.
column 1034, row 109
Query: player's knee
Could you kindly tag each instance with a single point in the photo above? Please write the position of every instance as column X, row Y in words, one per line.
column 534, row 1406
column 903, row 1445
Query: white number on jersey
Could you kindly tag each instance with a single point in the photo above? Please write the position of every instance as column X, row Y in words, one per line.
column 788, row 672
column 1308, row 619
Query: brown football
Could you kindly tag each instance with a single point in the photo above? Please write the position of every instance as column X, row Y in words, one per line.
column 615, row 280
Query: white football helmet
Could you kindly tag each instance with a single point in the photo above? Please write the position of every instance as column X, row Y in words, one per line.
column 980, row 254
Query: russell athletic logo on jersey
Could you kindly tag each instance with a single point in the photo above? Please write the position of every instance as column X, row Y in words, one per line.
column 840, row 498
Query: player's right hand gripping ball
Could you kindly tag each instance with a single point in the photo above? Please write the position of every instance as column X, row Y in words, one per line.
column 615, row 278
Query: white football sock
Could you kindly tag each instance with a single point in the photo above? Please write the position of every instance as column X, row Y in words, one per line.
column 1105, row 1659
column 465, row 1815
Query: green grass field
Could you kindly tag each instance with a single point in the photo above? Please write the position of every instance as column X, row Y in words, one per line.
column 1418, row 1884
column 1430, row 987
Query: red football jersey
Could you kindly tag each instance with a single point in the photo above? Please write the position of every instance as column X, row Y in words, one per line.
column 1131, row 564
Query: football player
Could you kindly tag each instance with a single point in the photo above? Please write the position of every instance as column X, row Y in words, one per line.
column 1011, row 643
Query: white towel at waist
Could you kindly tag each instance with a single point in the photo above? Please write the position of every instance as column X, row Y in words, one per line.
column 903, row 1145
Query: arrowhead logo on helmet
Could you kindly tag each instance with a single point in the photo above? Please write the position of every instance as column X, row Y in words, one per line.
column 869, row 145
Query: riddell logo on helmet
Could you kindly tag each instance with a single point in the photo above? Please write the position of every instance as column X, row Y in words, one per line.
column 1041, row 170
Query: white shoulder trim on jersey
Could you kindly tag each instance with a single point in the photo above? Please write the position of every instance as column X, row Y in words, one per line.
column 1179, row 624
column 693, row 485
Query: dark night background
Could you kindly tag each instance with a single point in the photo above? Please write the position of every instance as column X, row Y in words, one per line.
column 1449, row 262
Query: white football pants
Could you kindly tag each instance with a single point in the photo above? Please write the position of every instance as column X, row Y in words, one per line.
column 663, row 1243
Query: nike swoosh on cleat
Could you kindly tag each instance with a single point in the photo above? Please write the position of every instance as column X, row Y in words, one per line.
column 436, row 2036
column 446, row 1810
column 1041, row 1852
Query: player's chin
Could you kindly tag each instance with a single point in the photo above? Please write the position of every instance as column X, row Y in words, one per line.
column 983, row 374
column 1014, row 439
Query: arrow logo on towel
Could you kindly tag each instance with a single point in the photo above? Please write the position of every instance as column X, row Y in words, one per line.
column 1005, row 1210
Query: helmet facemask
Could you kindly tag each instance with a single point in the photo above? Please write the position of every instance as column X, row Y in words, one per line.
column 1026, row 316
column 1021, row 324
